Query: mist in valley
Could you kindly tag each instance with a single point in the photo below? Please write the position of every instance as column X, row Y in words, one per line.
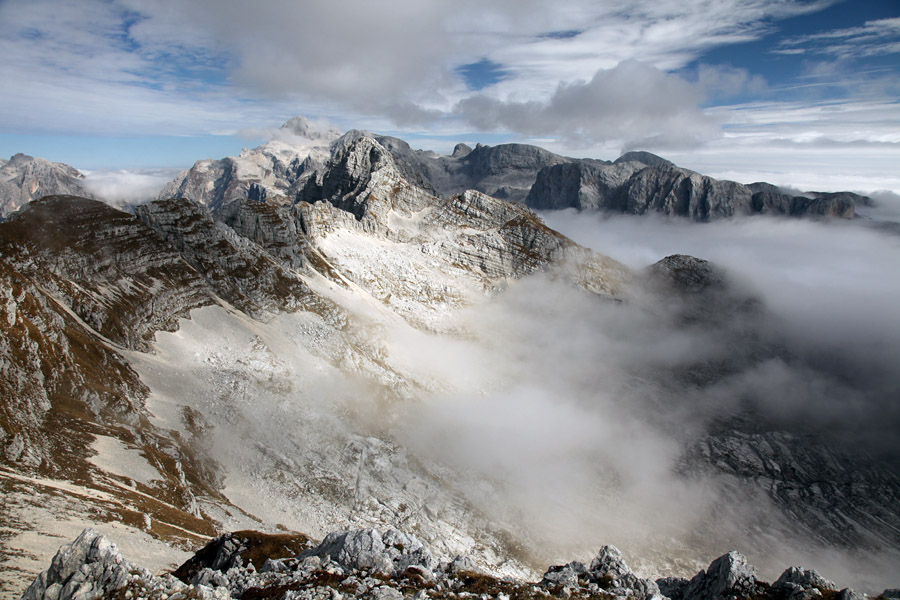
column 557, row 420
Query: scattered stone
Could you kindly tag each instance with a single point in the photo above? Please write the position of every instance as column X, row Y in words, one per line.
column 805, row 578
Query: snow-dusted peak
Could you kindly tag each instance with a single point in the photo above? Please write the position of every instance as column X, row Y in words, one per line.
column 315, row 131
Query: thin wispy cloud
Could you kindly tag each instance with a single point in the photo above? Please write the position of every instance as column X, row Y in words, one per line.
column 875, row 38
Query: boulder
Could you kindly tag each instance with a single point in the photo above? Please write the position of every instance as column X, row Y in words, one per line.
column 390, row 553
column 729, row 576
column 89, row 567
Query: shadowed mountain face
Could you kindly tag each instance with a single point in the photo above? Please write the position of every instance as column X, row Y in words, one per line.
column 370, row 353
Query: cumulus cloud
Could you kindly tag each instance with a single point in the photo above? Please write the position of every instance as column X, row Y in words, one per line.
column 163, row 65
column 633, row 102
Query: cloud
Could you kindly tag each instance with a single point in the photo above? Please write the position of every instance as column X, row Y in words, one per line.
column 875, row 38
column 633, row 102
column 125, row 187
column 830, row 289
column 725, row 81
column 225, row 62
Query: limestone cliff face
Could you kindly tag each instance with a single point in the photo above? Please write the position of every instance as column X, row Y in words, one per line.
column 634, row 187
column 237, row 270
column 24, row 178
column 110, row 270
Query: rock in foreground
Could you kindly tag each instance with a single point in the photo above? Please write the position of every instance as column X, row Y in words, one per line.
column 390, row 565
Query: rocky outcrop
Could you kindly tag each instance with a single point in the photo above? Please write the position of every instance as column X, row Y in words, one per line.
column 24, row 178
column 795, row 579
column 89, row 567
column 239, row 271
column 390, row 553
column 580, row 184
column 728, row 577
column 241, row 549
column 688, row 273
column 645, row 158
column 115, row 273
column 393, row 565
column 769, row 199
column 92, row 567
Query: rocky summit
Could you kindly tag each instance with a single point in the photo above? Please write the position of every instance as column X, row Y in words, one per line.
column 25, row 178
column 389, row 351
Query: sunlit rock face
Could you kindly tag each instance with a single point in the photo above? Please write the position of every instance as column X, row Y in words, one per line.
column 25, row 178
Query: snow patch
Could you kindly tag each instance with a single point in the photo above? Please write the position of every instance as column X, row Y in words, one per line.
column 115, row 457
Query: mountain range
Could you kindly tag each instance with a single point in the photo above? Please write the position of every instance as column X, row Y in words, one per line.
column 336, row 332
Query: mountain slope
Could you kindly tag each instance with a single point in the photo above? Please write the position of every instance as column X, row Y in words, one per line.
column 24, row 178
column 373, row 354
column 91, row 288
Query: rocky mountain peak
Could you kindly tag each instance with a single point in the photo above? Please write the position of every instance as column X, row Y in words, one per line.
column 19, row 159
column 24, row 178
column 306, row 129
column 645, row 158
column 461, row 150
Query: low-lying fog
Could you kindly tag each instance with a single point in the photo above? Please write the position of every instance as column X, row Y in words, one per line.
column 557, row 415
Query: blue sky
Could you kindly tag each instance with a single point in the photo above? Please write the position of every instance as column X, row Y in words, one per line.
column 808, row 90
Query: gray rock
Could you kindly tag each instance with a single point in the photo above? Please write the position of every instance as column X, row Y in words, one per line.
column 90, row 567
column 567, row 575
column 24, row 178
column 611, row 573
column 891, row 593
column 645, row 158
column 390, row 553
column 849, row 594
column 673, row 587
column 688, row 273
column 384, row 592
column 806, row 578
column 239, row 271
column 729, row 576
column 460, row 564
